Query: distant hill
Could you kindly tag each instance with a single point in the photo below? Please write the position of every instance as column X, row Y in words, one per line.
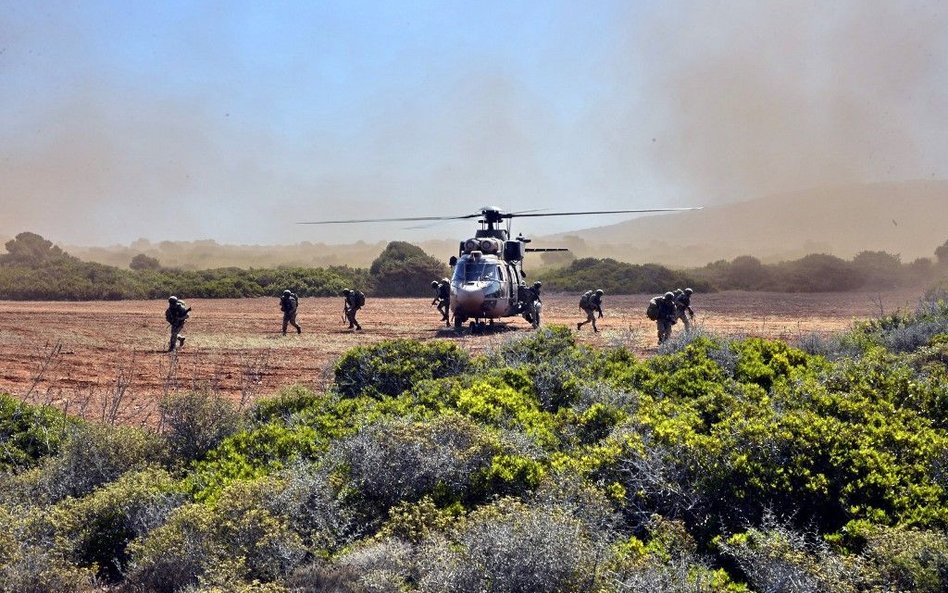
column 907, row 218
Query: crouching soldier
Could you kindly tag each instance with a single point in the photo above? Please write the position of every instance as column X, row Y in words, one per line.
column 591, row 304
column 289, row 303
column 355, row 300
column 176, row 315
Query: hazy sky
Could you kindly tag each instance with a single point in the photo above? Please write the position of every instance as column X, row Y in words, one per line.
column 233, row 120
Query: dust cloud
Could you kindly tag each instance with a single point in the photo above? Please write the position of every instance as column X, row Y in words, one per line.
column 647, row 105
column 755, row 98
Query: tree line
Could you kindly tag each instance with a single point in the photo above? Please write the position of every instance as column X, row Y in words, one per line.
column 35, row 269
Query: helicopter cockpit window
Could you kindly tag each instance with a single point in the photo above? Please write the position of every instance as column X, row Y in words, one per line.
column 476, row 271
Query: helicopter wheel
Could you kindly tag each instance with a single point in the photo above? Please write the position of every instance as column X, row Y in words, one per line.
column 458, row 323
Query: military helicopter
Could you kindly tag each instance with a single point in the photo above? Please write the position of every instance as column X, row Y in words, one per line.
column 488, row 281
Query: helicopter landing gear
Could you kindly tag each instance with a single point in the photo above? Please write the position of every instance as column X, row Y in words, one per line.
column 458, row 323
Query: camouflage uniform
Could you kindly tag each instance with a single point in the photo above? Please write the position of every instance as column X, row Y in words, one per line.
column 529, row 298
column 683, row 308
column 667, row 314
column 289, row 303
column 443, row 299
column 350, row 308
column 176, row 315
column 594, row 306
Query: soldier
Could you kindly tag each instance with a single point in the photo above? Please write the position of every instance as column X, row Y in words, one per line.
column 530, row 302
column 591, row 303
column 289, row 302
column 667, row 314
column 176, row 315
column 443, row 298
column 355, row 300
column 683, row 308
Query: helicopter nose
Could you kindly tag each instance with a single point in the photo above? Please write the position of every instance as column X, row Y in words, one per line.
column 470, row 298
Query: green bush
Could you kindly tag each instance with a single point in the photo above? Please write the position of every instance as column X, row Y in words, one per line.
column 390, row 367
column 100, row 525
column 29, row 433
column 404, row 270
column 34, row 557
column 234, row 538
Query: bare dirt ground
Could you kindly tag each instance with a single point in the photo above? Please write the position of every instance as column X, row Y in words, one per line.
column 107, row 359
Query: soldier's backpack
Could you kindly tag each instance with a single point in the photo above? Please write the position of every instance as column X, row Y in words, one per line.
column 652, row 311
column 585, row 300
column 359, row 299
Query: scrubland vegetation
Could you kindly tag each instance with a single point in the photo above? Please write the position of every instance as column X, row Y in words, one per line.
column 34, row 269
column 539, row 466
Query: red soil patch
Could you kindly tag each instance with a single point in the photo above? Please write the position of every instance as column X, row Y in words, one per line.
column 112, row 353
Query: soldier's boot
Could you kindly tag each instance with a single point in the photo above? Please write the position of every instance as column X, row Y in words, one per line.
column 578, row 325
column 299, row 329
column 180, row 341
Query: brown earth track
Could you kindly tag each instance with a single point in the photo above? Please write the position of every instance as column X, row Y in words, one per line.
column 234, row 346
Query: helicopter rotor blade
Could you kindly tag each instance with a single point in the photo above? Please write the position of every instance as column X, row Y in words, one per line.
column 639, row 211
column 400, row 219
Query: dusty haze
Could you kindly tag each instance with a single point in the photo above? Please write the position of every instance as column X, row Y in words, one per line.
column 635, row 105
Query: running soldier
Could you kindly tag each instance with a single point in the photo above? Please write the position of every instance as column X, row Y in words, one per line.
column 176, row 315
column 355, row 300
column 442, row 298
column 667, row 314
column 591, row 303
column 683, row 308
column 289, row 302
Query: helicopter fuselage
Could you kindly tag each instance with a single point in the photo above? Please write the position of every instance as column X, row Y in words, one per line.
column 487, row 277
column 484, row 287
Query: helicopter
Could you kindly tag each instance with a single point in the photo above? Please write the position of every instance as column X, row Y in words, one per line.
column 488, row 280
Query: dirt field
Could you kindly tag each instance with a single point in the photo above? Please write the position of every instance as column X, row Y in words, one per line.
column 108, row 359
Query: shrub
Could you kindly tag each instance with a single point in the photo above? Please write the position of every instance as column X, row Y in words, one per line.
column 29, row 433
column 195, row 422
column 288, row 402
column 512, row 547
column 902, row 559
column 403, row 269
column 100, row 526
column 307, row 497
column 376, row 567
column 34, row 558
column 93, row 455
column 389, row 368
column 776, row 558
column 233, row 539
column 396, row 461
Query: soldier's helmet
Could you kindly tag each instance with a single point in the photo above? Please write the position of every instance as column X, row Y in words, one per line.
column 599, row 291
column 678, row 291
column 445, row 281
column 346, row 292
column 537, row 284
column 287, row 292
column 669, row 296
column 434, row 284
column 688, row 291
column 172, row 299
